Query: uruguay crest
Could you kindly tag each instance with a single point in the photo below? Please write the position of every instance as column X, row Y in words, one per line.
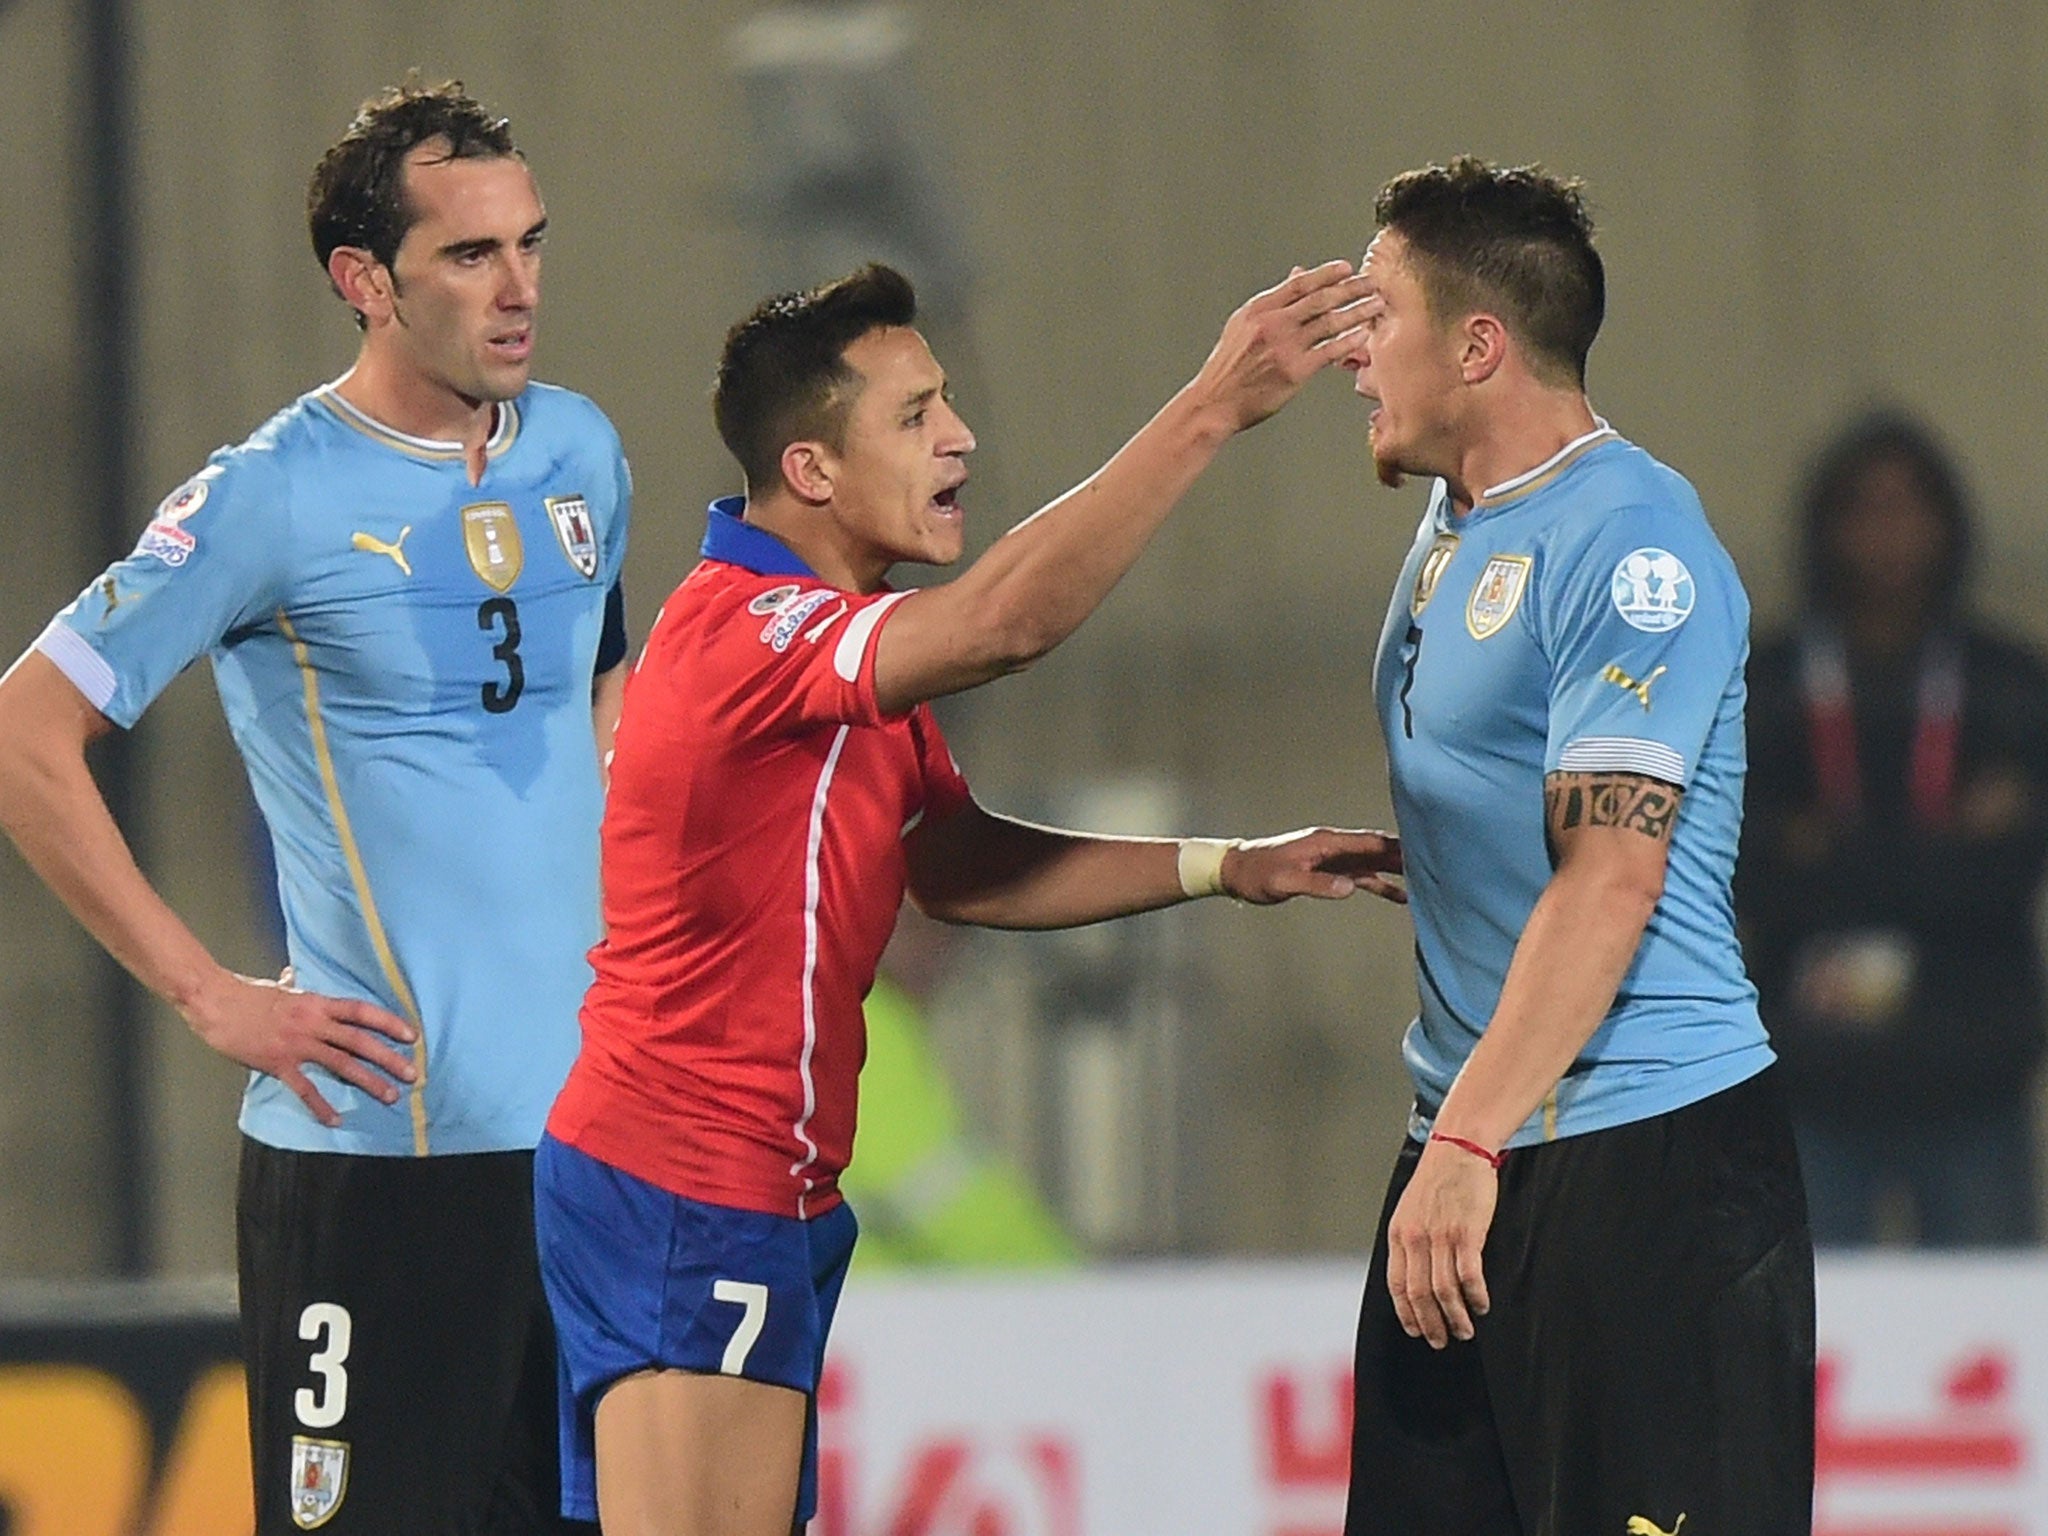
column 490, row 534
column 1433, row 565
column 1497, row 594
column 319, row 1480
column 571, row 517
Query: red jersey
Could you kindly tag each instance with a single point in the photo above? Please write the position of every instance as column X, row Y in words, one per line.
column 753, row 869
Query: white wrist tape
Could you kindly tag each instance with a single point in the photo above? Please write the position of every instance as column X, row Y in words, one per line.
column 1200, row 864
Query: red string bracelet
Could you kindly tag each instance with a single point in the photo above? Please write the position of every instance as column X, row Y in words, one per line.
column 1493, row 1159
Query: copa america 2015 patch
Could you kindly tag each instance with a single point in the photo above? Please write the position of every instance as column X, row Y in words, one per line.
column 319, row 1480
column 1653, row 591
column 164, row 538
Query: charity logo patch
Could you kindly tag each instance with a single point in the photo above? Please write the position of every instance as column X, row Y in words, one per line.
column 1497, row 594
column 792, row 616
column 1653, row 590
column 319, row 1480
column 771, row 600
column 578, row 536
column 165, row 538
column 1433, row 566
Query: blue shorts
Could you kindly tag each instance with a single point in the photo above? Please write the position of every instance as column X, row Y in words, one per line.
column 640, row 1279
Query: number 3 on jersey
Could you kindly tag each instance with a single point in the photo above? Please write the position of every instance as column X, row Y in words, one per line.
column 753, row 1297
column 329, row 1324
column 499, row 696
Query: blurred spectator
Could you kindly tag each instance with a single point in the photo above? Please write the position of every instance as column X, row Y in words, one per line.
column 1894, row 846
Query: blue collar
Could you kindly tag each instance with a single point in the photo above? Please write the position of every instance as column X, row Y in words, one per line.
column 729, row 537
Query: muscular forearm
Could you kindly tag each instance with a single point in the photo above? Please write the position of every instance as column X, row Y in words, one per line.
column 1026, row 876
column 1580, row 940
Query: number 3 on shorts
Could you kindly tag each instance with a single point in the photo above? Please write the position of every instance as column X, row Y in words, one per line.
column 326, row 1410
column 753, row 1296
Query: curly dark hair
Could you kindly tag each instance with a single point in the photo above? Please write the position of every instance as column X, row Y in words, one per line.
column 783, row 375
column 1883, row 435
column 1514, row 241
column 357, row 195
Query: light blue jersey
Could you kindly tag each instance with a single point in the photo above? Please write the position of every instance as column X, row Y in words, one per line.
column 1580, row 618
column 405, row 660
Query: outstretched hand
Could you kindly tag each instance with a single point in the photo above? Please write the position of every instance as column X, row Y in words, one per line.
column 1279, row 339
column 1316, row 861
column 275, row 1028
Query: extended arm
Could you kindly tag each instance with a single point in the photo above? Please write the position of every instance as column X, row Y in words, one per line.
column 53, row 810
column 1609, row 835
column 1037, row 583
column 976, row 867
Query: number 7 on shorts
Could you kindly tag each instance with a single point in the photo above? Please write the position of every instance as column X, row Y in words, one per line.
column 753, row 1296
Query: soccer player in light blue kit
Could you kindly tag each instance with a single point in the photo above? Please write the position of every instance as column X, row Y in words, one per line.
column 407, row 582
column 1590, row 1308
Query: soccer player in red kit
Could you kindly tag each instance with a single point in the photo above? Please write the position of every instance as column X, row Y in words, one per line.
column 778, row 782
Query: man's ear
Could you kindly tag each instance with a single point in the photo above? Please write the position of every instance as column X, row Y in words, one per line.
column 1483, row 347
column 807, row 469
column 364, row 283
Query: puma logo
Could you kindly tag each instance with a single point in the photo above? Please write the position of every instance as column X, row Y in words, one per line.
column 111, row 592
column 1627, row 684
column 370, row 544
column 1640, row 1525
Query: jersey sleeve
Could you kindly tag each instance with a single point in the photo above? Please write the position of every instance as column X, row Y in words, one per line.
column 613, row 642
column 212, row 560
column 1644, row 624
column 791, row 655
column 614, row 564
column 945, row 786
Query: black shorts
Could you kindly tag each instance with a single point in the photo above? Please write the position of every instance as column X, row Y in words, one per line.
column 401, row 1361
column 1649, row 1353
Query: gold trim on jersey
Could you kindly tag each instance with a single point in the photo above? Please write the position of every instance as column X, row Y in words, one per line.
column 490, row 535
column 1550, row 1115
column 504, row 431
column 1548, row 475
column 360, row 877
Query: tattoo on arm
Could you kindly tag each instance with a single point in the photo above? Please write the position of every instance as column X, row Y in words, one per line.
column 1631, row 800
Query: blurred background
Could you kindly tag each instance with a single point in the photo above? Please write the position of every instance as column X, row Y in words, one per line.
column 1806, row 209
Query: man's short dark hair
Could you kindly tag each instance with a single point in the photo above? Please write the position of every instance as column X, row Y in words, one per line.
column 783, row 377
column 357, row 196
column 1515, row 242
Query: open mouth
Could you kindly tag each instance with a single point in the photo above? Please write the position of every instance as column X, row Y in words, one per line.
column 513, row 346
column 947, row 502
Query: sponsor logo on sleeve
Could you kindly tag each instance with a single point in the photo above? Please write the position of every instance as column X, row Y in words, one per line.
column 771, row 600
column 1653, row 591
column 1497, row 594
column 1612, row 673
column 166, row 537
column 792, row 615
